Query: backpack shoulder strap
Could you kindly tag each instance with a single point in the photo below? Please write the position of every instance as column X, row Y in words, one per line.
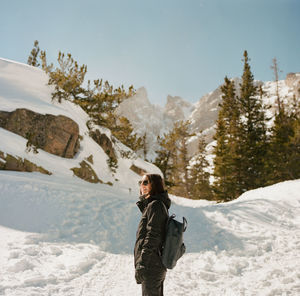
column 165, row 208
column 184, row 224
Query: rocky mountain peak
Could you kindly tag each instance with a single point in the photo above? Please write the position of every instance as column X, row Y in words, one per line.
column 177, row 108
column 292, row 80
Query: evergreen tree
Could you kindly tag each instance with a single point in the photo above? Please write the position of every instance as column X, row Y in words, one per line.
column 282, row 131
column 199, row 176
column 227, row 161
column 123, row 131
column 67, row 79
column 253, row 132
column 180, row 177
column 145, row 146
column 241, row 135
column 99, row 101
column 173, row 160
column 166, row 156
column 47, row 68
column 162, row 157
column 265, row 138
column 284, row 153
column 294, row 145
column 33, row 57
column 221, row 173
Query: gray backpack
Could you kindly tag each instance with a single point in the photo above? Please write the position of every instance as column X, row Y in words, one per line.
column 173, row 246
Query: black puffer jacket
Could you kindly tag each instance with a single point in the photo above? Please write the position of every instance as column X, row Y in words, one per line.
column 151, row 231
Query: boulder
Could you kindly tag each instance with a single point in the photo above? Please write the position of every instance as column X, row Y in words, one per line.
column 58, row 135
column 14, row 163
column 86, row 173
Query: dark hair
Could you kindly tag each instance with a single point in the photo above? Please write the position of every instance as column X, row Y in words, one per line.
column 157, row 183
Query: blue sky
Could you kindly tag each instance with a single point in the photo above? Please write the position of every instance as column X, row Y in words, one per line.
column 175, row 47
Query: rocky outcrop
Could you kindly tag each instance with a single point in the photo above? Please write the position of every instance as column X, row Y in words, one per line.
column 203, row 118
column 11, row 163
column 138, row 170
column 206, row 112
column 58, row 135
column 104, row 141
column 86, row 173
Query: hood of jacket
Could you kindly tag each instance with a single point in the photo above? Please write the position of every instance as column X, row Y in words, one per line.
column 164, row 197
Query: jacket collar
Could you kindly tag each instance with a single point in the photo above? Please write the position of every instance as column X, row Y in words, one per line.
column 143, row 202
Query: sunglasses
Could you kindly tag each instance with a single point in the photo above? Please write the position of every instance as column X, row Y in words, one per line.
column 145, row 182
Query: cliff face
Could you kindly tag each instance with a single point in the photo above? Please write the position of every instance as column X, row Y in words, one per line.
column 177, row 108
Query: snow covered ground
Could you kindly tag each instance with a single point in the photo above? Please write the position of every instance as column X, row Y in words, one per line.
column 60, row 236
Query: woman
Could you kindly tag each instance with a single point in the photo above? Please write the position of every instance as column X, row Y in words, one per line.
column 153, row 203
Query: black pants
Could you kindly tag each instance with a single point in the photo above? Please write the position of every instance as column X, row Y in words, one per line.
column 153, row 285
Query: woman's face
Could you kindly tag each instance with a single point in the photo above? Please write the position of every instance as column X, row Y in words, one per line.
column 145, row 186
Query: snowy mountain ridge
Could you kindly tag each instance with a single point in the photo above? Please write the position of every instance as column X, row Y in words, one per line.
column 202, row 115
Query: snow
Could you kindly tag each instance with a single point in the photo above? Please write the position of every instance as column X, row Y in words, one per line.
column 62, row 236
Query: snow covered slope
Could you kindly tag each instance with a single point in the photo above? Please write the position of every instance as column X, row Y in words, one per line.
column 60, row 236
column 23, row 86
